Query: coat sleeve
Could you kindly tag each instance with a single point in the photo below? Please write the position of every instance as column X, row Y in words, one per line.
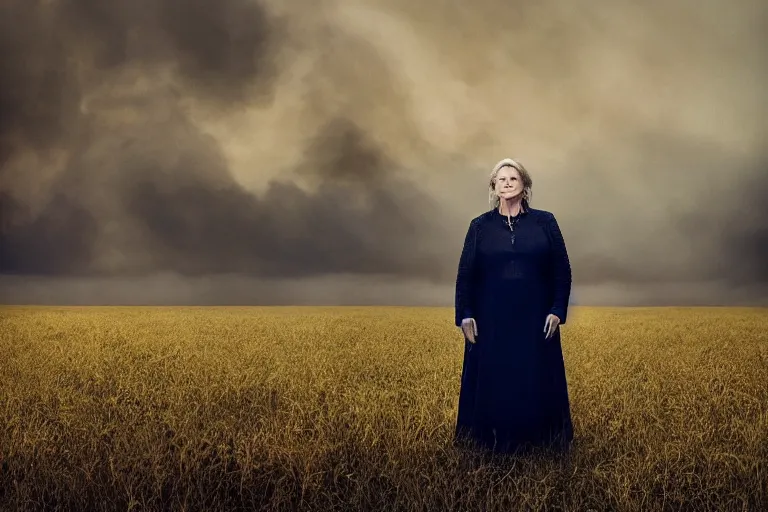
column 561, row 271
column 465, row 278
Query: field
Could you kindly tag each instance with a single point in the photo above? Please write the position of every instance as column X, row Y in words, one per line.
column 213, row 408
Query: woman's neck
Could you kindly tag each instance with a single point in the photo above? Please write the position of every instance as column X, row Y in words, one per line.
column 510, row 207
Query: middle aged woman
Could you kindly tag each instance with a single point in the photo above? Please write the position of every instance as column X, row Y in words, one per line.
column 512, row 291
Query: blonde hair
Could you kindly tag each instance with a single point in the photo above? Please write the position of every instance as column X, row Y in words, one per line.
column 493, row 198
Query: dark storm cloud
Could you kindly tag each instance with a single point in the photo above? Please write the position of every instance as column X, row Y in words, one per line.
column 691, row 213
column 38, row 92
column 356, row 221
column 220, row 48
column 193, row 218
column 745, row 257
column 164, row 181
column 57, row 241
column 51, row 53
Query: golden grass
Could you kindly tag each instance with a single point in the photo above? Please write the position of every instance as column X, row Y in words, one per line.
column 129, row 408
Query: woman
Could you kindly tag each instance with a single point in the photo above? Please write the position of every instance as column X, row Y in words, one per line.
column 512, row 291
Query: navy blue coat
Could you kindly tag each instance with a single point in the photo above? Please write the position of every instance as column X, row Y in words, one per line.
column 513, row 384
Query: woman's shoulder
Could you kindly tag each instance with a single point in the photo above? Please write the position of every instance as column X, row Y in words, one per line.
column 544, row 218
column 480, row 218
column 541, row 214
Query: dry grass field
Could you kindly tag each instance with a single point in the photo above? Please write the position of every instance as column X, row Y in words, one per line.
column 132, row 408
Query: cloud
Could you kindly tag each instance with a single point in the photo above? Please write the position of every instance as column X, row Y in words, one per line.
column 144, row 188
column 303, row 141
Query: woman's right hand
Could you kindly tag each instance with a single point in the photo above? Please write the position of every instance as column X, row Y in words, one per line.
column 469, row 327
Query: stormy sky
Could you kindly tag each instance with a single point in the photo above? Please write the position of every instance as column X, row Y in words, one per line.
column 333, row 152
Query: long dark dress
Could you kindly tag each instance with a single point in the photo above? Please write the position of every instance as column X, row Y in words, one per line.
column 513, row 386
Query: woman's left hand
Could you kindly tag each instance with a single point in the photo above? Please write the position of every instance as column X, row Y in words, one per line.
column 550, row 325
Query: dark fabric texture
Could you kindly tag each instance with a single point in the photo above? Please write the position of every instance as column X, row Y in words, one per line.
column 513, row 383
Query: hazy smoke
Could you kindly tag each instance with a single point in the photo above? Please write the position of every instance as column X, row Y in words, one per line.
column 306, row 140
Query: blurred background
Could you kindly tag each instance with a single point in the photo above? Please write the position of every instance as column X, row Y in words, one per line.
column 334, row 152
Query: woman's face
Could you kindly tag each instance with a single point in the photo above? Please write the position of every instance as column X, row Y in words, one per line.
column 508, row 183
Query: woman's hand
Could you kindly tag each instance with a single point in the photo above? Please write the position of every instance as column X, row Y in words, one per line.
column 469, row 327
column 550, row 325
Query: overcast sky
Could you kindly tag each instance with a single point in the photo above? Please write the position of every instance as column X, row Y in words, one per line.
column 334, row 152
